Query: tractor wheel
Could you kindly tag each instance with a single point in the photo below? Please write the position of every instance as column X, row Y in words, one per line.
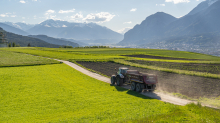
column 113, row 79
column 133, row 86
column 119, row 81
column 139, row 87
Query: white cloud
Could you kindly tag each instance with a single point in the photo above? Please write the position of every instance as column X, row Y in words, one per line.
column 160, row 5
column 124, row 30
column 127, row 22
column 13, row 16
column 178, row 1
column 3, row 15
column 133, row 10
column 99, row 17
column 34, row 0
column 77, row 16
column 49, row 15
column 64, row 26
column 22, row 1
column 66, row 11
column 48, row 12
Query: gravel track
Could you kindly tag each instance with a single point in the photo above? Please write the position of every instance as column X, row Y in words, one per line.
column 155, row 95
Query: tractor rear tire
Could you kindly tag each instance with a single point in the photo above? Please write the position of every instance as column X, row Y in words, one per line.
column 113, row 79
column 139, row 87
column 119, row 81
column 133, row 86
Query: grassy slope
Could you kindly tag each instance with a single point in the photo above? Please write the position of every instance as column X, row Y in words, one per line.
column 58, row 93
column 17, row 59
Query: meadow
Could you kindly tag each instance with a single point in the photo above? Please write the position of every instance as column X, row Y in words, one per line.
column 18, row 59
column 161, row 60
column 58, row 93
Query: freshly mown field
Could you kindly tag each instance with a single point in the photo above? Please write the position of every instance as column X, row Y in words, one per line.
column 18, row 59
column 58, row 93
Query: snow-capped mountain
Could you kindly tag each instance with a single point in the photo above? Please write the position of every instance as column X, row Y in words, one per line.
column 55, row 23
column 19, row 25
column 78, row 31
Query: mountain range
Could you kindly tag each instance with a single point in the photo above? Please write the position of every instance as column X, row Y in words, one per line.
column 77, row 31
column 159, row 28
column 87, row 33
column 20, row 25
column 201, row 20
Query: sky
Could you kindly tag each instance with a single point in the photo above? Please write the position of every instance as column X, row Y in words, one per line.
column 117, row 15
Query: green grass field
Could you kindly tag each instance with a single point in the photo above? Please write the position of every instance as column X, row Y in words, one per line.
column 59, row 93
column 18, row 59
column 113, row 54
column 109, row 53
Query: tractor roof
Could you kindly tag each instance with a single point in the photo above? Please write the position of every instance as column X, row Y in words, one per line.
column 123, row 68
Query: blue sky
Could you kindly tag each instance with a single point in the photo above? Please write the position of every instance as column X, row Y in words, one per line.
column 114, row 14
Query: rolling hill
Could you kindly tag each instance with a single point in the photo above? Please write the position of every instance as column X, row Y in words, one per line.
column 54, row 40
column 23, row 41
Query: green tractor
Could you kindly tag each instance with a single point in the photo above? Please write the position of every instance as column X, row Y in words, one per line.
column 120, row 76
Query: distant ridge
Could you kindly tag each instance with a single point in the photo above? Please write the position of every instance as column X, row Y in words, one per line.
column 20, row 25
column 55, row 40
column 23, row 41
column 13, row 29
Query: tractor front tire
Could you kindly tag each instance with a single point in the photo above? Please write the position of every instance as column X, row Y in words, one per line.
column 119, row 81
column 133, row 86
column 113, row 79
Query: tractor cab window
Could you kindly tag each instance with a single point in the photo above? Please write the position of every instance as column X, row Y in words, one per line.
column 123, row 71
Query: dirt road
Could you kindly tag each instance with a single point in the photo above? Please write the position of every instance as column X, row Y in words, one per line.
column 156, row 95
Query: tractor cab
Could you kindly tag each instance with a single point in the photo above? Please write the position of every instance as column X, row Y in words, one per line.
column 122, row 70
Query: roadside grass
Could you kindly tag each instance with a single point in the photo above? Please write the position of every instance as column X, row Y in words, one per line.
column 17, row 59
column 186, row 72
column 58, row 93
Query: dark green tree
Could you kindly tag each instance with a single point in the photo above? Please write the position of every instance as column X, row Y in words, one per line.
column 29, row 45
column 9, row 45
column 13, row 44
